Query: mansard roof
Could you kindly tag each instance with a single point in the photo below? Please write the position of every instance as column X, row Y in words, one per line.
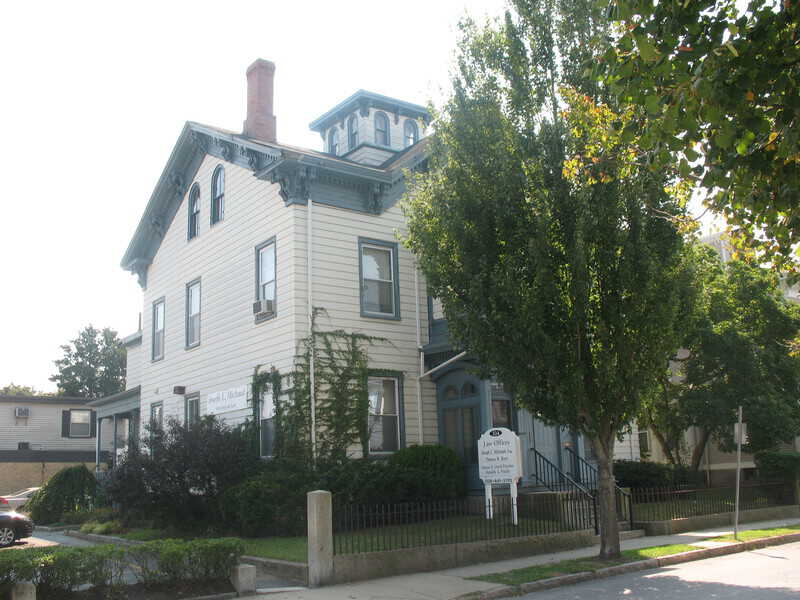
column 298, row 171
column 365, row 100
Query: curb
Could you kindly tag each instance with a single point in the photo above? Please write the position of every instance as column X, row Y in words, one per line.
column 643, row 565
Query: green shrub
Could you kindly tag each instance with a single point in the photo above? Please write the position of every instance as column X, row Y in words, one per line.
column 98, row 515
column 70, row 490
column 644, row 474
column 16, row 566
column 783, row 464
column 168, row 561
column 427, row 473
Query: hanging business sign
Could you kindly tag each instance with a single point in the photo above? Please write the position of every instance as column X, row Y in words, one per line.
column 225, row 401
column 500, row 463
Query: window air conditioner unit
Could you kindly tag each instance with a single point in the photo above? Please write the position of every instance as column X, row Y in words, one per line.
column 263, row 307
column 22, row 412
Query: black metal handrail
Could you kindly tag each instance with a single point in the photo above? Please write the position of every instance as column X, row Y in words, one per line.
column 552, row 477
column 588, row 475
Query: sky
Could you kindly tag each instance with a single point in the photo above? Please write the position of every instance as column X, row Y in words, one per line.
column 94, row 94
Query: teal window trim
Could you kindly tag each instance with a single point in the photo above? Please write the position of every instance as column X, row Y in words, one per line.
column 191, row 409
column 398, row 376
column 218, row 195
column 160, row 421
column 352, row 132
column 271, row 241
column 410, row 133
column 193, row 213
column 189, row 344
column 154, row 355
column 393, row 248
column 383, row 130
column 333, row 140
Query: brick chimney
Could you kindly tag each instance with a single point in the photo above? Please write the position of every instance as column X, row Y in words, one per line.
column 260, row 122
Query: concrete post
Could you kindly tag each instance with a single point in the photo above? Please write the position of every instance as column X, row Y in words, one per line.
column 320, row 538
column 23, row 591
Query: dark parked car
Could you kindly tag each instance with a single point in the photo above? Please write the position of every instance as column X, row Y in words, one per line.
column 14, row 526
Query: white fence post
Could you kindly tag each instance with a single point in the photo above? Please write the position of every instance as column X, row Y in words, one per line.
column 320, row 538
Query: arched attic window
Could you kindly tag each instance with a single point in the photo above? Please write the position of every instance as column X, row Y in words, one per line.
column 218, row 195
column 381, row 129
column 352, row 132
column 410, row 133
column 193, row 227
column 333, row 141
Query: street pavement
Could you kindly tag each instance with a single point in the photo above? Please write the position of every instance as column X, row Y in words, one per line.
column 768, row 574
column 451, row 583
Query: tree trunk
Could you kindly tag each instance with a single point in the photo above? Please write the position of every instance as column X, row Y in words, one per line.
column 607, row 496
column 700, row 447
column 665, row 447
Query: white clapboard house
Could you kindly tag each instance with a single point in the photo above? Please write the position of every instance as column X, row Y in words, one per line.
column 243, row 235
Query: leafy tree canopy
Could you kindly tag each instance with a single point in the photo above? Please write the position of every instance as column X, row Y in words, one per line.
column 552, row 251
column 737, row 351
column 12, row 389
column 93, row 365
column 720, row 82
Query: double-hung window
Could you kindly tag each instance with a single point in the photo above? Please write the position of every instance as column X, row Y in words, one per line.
column 384, row 414
column 80, row 423
column 333, row 141
column 194, row 212
column 156, row 415
column 218, row 195
column 410, row 133
column 193, row 313
column 192, row 409
column 158, row 329
column 379, row 279
column 352, row 133
column 381, row 129
column 265, row 279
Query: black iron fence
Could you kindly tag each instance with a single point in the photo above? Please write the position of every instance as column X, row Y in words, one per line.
column 663, row 504
column 375, row 528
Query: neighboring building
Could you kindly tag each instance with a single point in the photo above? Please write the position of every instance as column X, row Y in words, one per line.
column 40, row 435
column 243, row 235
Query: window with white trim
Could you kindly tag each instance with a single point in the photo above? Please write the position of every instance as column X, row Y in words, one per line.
column 157, row 415
column 265, row 278
column 158, row 329
column 192, row 409
column 384, row 415
column 193, row 314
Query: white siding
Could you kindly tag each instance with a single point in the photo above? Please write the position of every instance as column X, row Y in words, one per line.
column 134, row 355
column 223, row 257
column 42, row 430
column 336, row 289
column 628, row 447
column 373, row 157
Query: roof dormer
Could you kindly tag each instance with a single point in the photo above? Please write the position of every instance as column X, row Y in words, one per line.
column 370, row 129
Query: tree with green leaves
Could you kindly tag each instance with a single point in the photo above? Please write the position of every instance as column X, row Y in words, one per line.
column 12, row 389
column 552, row 251
column 721, row 84
column 93, row 365
column 736, row 351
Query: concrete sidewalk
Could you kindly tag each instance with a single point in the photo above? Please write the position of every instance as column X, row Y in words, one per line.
column 450, row 584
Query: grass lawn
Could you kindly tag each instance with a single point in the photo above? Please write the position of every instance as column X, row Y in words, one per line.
column 755, row 534
column 578, row 565
column 441, row 531
column 294, row 549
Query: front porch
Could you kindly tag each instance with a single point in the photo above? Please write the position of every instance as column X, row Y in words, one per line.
column 117, row 416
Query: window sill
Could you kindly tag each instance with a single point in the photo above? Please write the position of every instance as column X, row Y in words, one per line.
column 192, row 347
column 382, row 316
column 158, row 359
column 263, row 318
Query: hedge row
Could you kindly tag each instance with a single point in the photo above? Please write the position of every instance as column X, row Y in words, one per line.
column 59, row 570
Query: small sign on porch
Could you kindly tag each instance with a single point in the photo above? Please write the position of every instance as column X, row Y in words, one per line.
column 500, row 463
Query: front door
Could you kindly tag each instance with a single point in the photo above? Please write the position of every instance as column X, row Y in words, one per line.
column 461, row 420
